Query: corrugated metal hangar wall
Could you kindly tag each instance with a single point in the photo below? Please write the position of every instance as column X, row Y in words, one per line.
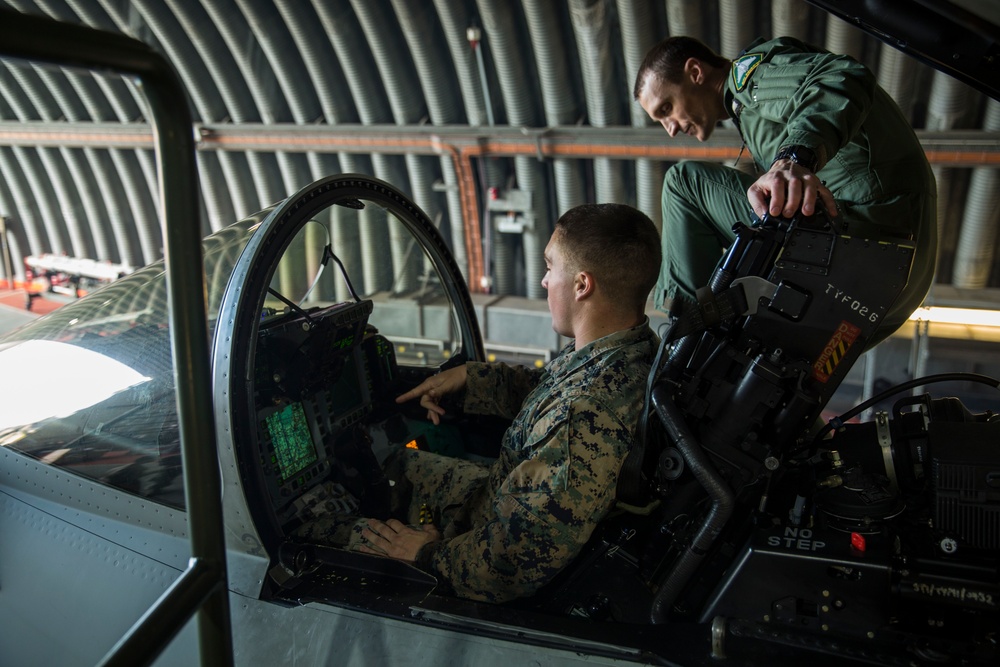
column 482, row 110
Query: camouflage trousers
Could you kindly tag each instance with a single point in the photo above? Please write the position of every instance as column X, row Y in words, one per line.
column 426, row 489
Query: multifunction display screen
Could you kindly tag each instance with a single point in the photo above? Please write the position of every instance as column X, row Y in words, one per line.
column 292, row 441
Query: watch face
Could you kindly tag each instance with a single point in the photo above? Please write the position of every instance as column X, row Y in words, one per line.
column 799, row 155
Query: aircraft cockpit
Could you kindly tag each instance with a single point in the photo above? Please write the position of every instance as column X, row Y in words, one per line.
column 317, row 342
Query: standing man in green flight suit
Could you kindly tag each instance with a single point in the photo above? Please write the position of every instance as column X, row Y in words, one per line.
column 822, row 133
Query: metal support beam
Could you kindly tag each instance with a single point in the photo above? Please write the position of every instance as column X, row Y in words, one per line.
column 952, row 148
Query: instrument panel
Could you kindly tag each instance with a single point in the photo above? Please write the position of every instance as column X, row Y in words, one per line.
column 317, row 374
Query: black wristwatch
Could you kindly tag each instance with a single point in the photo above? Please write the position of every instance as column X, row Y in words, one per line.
column 799, row 155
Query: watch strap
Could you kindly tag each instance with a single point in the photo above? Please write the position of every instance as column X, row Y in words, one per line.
column 799, row 155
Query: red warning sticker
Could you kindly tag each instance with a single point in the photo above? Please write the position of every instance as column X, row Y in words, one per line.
column 835, row 350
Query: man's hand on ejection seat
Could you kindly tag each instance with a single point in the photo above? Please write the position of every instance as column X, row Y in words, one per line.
column 786, row 187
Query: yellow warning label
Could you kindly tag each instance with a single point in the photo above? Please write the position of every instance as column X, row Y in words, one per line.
column 835, row 350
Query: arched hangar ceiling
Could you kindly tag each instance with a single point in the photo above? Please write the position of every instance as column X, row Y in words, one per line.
column 473, row 107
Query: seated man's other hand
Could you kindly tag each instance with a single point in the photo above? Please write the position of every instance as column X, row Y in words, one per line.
column 434, row 388
column 396, row 540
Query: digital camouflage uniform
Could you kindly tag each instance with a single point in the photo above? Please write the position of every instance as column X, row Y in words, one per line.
column 509, row 528
column 783, row 92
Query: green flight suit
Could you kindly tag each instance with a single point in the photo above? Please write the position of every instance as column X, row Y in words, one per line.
column 783, row 92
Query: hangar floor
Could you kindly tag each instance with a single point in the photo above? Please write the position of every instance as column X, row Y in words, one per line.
column 13, row 312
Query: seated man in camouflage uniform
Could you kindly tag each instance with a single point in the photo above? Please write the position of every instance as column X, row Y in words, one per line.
column 507, row 529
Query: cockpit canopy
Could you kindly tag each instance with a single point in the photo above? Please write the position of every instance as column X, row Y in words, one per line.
column 95, row 379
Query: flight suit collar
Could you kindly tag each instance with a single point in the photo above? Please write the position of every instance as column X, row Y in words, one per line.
column 570, row 360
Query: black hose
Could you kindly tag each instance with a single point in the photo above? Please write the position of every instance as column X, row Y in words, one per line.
column 721, row 495
column 654, row 377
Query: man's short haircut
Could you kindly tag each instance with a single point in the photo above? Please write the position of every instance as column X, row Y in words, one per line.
column 617, row 244
column 666, row 60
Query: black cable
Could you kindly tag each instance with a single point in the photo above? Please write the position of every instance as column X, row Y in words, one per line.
column 294, row 306
column 328, row 254
column 837, row 422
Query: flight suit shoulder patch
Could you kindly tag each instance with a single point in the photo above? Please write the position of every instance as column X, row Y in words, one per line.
column 743, row 67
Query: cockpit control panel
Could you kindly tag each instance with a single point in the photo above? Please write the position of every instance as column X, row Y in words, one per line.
column 317, row 374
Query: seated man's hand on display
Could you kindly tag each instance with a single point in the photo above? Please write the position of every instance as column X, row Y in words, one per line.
column 434, row 388
column 396, row 540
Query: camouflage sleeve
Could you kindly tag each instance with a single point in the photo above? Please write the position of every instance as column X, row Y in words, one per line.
column 544, row 511
column 498, row 389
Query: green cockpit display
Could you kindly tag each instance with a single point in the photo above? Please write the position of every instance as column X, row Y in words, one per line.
column 294, row 449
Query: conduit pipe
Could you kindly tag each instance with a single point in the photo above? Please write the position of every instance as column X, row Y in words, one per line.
column 422, row 31
column 947, row 109
column 638, row 26
column 559, row 98
column 684, row 18
column 721, row 496
column 736, row 26
column 790, row 18
column 346, row 37
column 978, row 234
column 179, row 42
column 593, row 37
column 519, row 95
column 455, row 21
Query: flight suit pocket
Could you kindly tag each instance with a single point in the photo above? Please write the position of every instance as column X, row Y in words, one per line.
column 544, row 466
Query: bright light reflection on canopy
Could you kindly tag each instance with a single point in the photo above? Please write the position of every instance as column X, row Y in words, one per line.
column 43, row 379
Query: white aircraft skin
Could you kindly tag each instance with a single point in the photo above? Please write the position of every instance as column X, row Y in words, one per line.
column 80, row 563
